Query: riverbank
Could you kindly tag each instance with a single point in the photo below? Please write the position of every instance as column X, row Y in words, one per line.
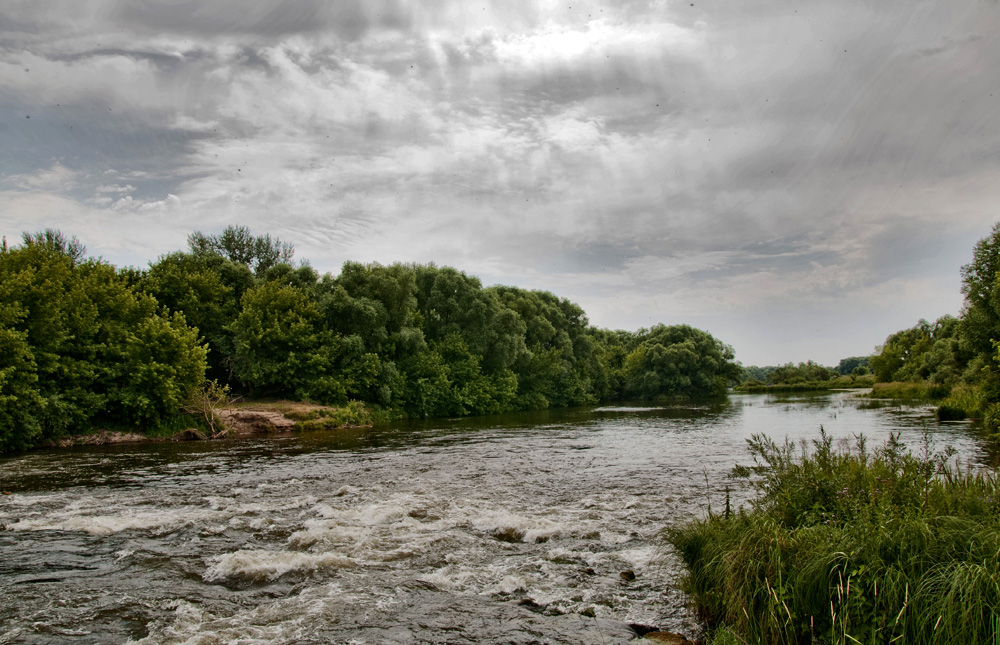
column 847, row 546
column 239, row 419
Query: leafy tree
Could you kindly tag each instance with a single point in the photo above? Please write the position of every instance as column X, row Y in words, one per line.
column 238, row 244
column 20, row 399
column 204, row 288
column 981, row 317
column 678, row 360
column 157, row 366
column 446, row 380
column 852, row 364
column 84, row 346
column 280, row 346
column 790, row 373
column 393, row 287
column 450, row 302
column 755, row 373
column 564, row 362
column 925, row 352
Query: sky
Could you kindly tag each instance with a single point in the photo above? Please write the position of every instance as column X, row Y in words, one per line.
column 800, row 179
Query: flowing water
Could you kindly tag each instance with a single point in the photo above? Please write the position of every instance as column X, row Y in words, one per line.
column 509, row 529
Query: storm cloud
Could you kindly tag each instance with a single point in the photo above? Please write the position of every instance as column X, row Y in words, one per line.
column 799, row 179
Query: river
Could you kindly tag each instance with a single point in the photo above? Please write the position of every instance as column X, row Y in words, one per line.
column 507, row 529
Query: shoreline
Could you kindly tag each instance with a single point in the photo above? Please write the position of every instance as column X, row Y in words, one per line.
column 247, row 420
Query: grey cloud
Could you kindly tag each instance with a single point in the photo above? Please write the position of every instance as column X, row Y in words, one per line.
column 165, row 62
column 348, row 19
column 89, row 138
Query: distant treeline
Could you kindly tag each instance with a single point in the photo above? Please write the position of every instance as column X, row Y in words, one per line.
column 803, row 373
column 83, row 343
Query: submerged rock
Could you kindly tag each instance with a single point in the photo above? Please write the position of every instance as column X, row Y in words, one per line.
column 667, row 637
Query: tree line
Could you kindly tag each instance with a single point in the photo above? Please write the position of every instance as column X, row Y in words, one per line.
column 955, row 358
column 83, row 343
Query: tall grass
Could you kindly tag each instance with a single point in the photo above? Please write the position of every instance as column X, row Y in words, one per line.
column 850, row 546
column 909, row 391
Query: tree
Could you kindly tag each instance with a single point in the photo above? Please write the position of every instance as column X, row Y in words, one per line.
column 678, row 360
column 81, row 345
column 562, row 364
column 925, row 352
column 451, row 302
column 205, row 289
column 205, row 402
column 981, row 317
column 238, row 244
column 279, row 343
column 852, row 364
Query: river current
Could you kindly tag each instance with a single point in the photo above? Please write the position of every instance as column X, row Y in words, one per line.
column 511, row 529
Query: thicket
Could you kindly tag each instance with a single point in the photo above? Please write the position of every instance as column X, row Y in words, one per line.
column 77, row 345
column 850, row 546
column 83, row 343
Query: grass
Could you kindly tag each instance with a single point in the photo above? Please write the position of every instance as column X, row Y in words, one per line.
column 909, row 391
column 168, row 427
column 964, row 402
column 352, row 415
column 845, row 546
column 312, row 416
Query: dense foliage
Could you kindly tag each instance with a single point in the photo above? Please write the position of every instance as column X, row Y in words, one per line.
column 849, row 547
column 953, row 355
column 78, row 344
column 84, row 343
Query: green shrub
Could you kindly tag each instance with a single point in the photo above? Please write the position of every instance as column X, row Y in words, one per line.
column 844, row 546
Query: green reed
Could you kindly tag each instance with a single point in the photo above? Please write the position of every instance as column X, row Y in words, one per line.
column 850, row 546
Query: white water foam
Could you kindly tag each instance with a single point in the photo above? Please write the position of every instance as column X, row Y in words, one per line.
column 262, row 565
column 160, row 521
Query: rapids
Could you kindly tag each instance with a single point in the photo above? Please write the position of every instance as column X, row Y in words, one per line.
column 509, row 529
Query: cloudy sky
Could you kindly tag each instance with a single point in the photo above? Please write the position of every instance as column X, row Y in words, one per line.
column 798, row 178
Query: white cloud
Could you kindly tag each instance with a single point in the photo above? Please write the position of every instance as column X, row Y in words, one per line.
column 114, row 188
column 56, row 178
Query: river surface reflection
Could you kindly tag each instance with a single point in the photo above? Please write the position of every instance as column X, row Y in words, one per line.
column 506, row 529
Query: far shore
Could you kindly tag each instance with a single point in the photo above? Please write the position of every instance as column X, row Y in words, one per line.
column 239, row 419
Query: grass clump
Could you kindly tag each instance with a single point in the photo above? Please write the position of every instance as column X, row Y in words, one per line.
column 964, row 402
column 845, row 546
column 351, row 415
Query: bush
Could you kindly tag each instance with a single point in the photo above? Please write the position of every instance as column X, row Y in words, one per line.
column 844, row 546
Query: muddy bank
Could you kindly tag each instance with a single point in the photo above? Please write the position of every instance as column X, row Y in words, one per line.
column 245, row 419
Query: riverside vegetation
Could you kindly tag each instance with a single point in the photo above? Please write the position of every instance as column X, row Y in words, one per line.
column 952, row 361
column 846, row 546
column 850, row 546
column 86, row 345
column 807, row 377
